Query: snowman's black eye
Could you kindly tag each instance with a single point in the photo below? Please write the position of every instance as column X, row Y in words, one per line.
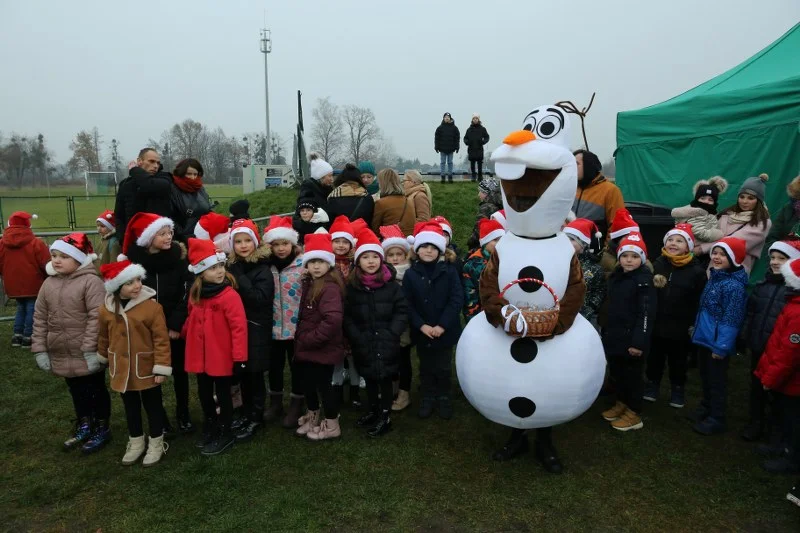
column 547, row 128
column 528, row 127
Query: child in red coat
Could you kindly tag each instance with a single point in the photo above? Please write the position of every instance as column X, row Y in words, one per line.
column 216, row 341
column 22, row 261
column 779, row 370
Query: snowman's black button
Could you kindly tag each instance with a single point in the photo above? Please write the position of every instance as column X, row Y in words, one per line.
column 521, row 406
column 530, row 272
column 524, row 350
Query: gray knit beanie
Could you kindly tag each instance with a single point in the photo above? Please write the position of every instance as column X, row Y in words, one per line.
column 755, row 186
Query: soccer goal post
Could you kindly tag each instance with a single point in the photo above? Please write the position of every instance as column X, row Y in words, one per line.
column 100, row 183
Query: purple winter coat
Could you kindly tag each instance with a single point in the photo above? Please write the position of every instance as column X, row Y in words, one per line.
column 319, row 337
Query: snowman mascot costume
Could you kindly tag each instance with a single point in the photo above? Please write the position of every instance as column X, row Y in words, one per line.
column 509, row 375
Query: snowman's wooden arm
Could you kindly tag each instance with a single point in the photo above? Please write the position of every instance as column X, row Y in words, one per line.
column 573, row 297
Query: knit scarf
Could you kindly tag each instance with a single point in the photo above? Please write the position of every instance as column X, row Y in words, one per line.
column 677, row 261
column 209, row 290
column 372, row 282
column 188, row 185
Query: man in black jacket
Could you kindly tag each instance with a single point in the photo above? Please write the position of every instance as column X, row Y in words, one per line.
column 446, row 141
column 146, row 189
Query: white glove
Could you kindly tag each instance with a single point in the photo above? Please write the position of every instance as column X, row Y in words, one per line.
column 93, row 362
column 43, row 361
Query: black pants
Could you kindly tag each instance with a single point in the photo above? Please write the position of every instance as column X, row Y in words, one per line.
column 90, row 396
column 434, row 370
column 673, row 352
column 404, row 372
column 791, row 411
column 206, row 386
column 254, row 394
column 180, row 379
column 758, row 396
column 714, row 376
column 479, row 164
column 382, row 387
column 279, row 352
column 626, row 371
column 544, row 436
column 151, row 400
column 317, row 382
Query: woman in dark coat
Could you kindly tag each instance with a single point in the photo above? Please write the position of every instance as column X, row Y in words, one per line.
column 188, row 197
column 375, row 317
column 349, row 197
column 475, row 138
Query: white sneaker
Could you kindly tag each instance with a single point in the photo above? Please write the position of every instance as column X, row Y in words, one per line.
column 134, row 450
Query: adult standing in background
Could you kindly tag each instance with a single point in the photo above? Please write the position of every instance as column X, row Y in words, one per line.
column 146, row 189
column 447, row 140
column 315, row 189
column 349, row 197
column 188, row 197
column 369, row 179
column 419, row 194
column 475, row 138
column 596, row 198
column 393, row 207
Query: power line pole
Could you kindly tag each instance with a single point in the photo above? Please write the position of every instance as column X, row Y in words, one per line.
column 266, row 48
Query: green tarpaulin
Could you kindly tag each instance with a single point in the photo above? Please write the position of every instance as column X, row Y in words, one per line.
column 739, row 124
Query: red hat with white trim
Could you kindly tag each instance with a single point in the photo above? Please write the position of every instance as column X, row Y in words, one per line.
column 393, row 236
column 280, row 229
column 141, row 230
column 246, row 226
column 584, row 230
column 734, row 247
column 107, row 219
column 115, row 275
column 318, row 246
column 500, row 216
column 633, row 242
column 789, row 248
column 622, row 224
column 429, row 232
column 368, row 242
column 683, row 230
column 21, row 218
column 445, row 224
column 211, row 225
column 343, row 229
column 791, row 273
column 489, row 230
column 359, row 224
column 203, row 254
column 77, row 246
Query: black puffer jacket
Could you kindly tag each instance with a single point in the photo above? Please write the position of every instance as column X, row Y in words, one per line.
column 679, row 298
column 447, row 138
column 475, row 138
column 631, row 311
column 142, row 192
column 763, row 307
column 167, row 273
column 257, row 289
column 313, row 191
column 187, row 208
column 373, row 322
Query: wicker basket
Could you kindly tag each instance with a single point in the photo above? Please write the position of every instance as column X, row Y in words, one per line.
column 530, row 322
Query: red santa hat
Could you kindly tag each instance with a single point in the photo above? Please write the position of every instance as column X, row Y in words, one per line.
column 633, row 242
column 500, row 216
column 489, row 230
column 358, row 225
column 280, row 229
column 368, row 242
column 21, row 218
column 429, row 232
column 791, row 273
column 77, row 246
column 318, row 246
column 685, row 231
column 445, row 224
column 203, row 254
column 211, row 225
column 735, row 248
column 789, row 248
column 141, row 230
column 107, row 219
column 246, row 226
column 115, row 275
column 622, row 224
column 393, row 236
column 343, row 229
column 584, row 230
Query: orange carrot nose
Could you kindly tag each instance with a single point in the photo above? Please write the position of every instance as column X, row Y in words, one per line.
column 519, row 137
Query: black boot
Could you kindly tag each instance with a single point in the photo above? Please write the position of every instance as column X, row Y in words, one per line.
column 426, row 407
column 83, row 431
column 275, row 409
column 444, row 180
column 100, row 437
column 474, row 177
column 209, row 430
column 370, row 419
column 752, row 431
column 383, row 426
column 239, row 421
column 355, row 397
column 169, row 431
column 450, row 178
column 546, row 452
column 254, row 423
column 517, row 445
column 185, row 425
column 220, row 443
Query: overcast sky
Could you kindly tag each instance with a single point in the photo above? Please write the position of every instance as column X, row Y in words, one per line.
column 134, row 68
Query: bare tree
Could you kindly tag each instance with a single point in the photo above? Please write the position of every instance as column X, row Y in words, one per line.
column 277, row 149
column 610, row 167
column 327, row 135
column 114, row 159
column 188, row 139
column 362, row 129
column 84, row 152
column 219, row 155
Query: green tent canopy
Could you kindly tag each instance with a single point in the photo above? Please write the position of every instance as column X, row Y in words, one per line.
column 739, row 124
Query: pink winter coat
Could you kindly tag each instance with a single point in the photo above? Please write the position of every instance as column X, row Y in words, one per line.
column 738, row 225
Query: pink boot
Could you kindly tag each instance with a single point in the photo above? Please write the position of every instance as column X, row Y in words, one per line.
column 308, row 422
column 329, row 429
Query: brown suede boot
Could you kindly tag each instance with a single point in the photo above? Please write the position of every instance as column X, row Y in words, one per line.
column 275, row 409
column 296, row 404
column 615, row 412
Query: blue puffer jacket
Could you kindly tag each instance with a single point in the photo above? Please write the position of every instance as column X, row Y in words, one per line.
column 722, row 311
